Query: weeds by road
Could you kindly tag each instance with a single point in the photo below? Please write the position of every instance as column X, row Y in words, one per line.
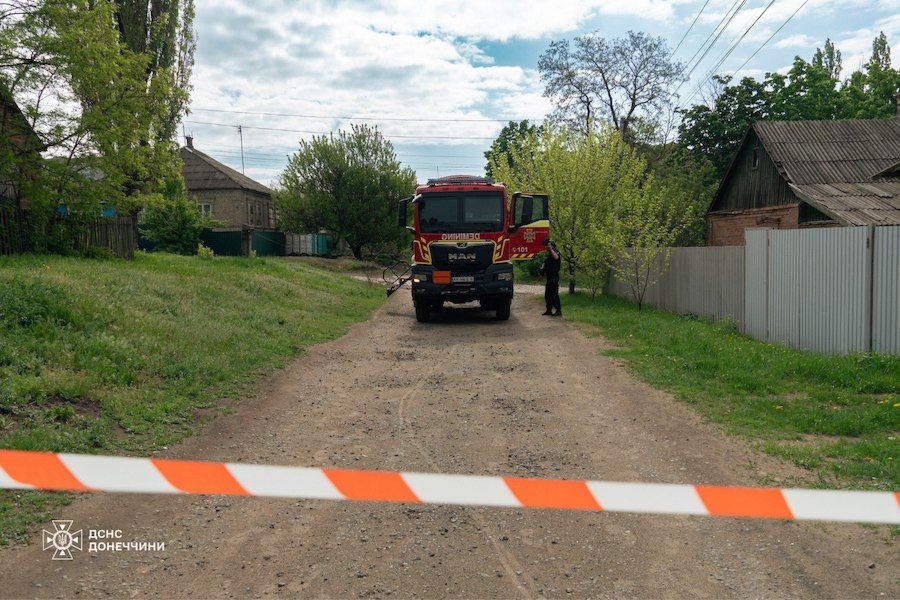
column 837, row 416
column 114, row 355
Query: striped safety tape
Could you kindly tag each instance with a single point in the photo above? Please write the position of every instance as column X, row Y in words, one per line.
column 88, row 473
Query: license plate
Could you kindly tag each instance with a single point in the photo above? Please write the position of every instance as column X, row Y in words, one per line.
column 463, row 279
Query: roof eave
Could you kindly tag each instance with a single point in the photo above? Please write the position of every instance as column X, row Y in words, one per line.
column 812, row 201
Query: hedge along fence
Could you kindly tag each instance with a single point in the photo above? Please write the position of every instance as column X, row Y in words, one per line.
column 118, row 234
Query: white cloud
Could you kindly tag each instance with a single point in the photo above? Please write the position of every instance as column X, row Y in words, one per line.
column 399, row 59
column 800, row 40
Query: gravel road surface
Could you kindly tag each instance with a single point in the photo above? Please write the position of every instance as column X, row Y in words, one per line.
column 464, row 394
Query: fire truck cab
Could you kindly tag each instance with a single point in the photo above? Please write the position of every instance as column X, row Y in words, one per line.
column 466, row 234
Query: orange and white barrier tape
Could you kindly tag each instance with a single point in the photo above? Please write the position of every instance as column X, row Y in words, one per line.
column 87, row 473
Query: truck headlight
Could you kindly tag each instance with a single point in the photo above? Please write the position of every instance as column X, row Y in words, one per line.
column 505, row 276
column 420, row 277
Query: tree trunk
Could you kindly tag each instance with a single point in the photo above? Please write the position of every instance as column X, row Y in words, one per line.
column 356, row 249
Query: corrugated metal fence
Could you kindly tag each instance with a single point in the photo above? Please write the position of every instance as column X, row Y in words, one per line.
column 834, row 290
column 701, row 281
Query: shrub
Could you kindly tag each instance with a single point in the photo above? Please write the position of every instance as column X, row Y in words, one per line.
column 204, row 252
column 173, row 222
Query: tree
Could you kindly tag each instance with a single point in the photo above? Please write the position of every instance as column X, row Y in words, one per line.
column 621, row 79
column 829, row 59
column 172, row 221
column 569, row 84
column 87, row 96
column 578, row 172
column 161, row 30
column 513, row 135
column 714, row 133
column 872, row 92
column 809, row 90
column 347, row 184
column 640, row 231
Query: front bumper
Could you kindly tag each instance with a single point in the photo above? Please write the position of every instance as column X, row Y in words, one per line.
column 495, row 281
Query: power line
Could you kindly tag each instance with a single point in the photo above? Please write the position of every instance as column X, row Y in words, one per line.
column 712, row 33
column 419, row 137
column 734, row 7
column 263, row 152
column 771, row 37
column 728, row 53
column 368, row 118
column 684, row 37
column 716, row 39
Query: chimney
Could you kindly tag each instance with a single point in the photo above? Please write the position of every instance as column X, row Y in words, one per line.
column 189, row 140
column 897, row 99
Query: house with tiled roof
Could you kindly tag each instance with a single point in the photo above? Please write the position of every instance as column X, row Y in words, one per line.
column 225, row 194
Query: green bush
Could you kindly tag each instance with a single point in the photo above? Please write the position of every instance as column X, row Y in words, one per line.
column 173, row 222
column 204, row 252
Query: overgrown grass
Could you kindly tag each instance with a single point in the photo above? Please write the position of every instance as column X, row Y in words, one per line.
column 109, row 355
column 838, row 416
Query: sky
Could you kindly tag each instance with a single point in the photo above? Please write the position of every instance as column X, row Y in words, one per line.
column 440, row 78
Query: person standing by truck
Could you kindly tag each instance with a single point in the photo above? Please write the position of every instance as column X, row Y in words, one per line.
column 550, row 270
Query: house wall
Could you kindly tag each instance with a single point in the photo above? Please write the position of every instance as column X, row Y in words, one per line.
column 727, row 228
column 233, row 207
column 747, row 186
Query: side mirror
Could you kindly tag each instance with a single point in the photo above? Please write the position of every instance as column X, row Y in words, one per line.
column 401, row 212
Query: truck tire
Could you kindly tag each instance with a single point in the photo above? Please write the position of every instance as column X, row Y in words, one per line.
column 503, row 309
column 423, row 311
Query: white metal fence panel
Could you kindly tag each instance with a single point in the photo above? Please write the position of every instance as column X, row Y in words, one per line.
column 756, row 269
column 707, row 281
column 886, row 291
column 833, row 269
column 783, row 298
column 834, row 290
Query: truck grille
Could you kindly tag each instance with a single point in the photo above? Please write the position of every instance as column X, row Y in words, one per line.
column 462, row 257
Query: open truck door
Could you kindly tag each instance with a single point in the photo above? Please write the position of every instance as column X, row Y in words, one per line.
column 530, row 225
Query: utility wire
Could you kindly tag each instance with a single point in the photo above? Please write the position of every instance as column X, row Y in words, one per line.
column 728, row 53
column 771, row 37
column 219, row 148
column 734, row 7
column 367, row 118
column 684, row 37
column 713, row 32
column 716, row 39
column 419, row 137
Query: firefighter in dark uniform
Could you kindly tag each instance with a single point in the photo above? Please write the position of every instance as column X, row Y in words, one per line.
column 550, row 270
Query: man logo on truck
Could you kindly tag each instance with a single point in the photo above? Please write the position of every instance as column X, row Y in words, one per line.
column 477, row 210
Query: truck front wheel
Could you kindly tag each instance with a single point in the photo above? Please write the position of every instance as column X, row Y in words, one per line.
column 423, row 311
column 503, row 309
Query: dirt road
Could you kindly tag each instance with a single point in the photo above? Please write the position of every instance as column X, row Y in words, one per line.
column 465, row 394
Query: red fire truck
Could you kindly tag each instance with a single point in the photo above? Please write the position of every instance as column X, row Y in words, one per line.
column 466, row 233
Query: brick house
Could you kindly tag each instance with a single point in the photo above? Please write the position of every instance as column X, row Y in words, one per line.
column 225, row 194
column 793, row 174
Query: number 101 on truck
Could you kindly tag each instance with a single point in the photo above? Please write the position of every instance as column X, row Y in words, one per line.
column 466, row 234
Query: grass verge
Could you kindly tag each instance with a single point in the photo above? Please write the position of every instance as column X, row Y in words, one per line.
column 837, row 416
column 116, row 356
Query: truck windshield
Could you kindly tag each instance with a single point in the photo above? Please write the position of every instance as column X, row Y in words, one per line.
column 460, row 212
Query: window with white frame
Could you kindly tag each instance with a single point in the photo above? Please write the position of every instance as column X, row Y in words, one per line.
column 205, row 209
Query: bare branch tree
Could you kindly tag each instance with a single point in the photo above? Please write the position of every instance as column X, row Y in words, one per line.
column 622, row 79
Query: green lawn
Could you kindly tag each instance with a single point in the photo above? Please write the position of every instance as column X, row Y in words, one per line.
column 118, row 356
column 838, row 417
